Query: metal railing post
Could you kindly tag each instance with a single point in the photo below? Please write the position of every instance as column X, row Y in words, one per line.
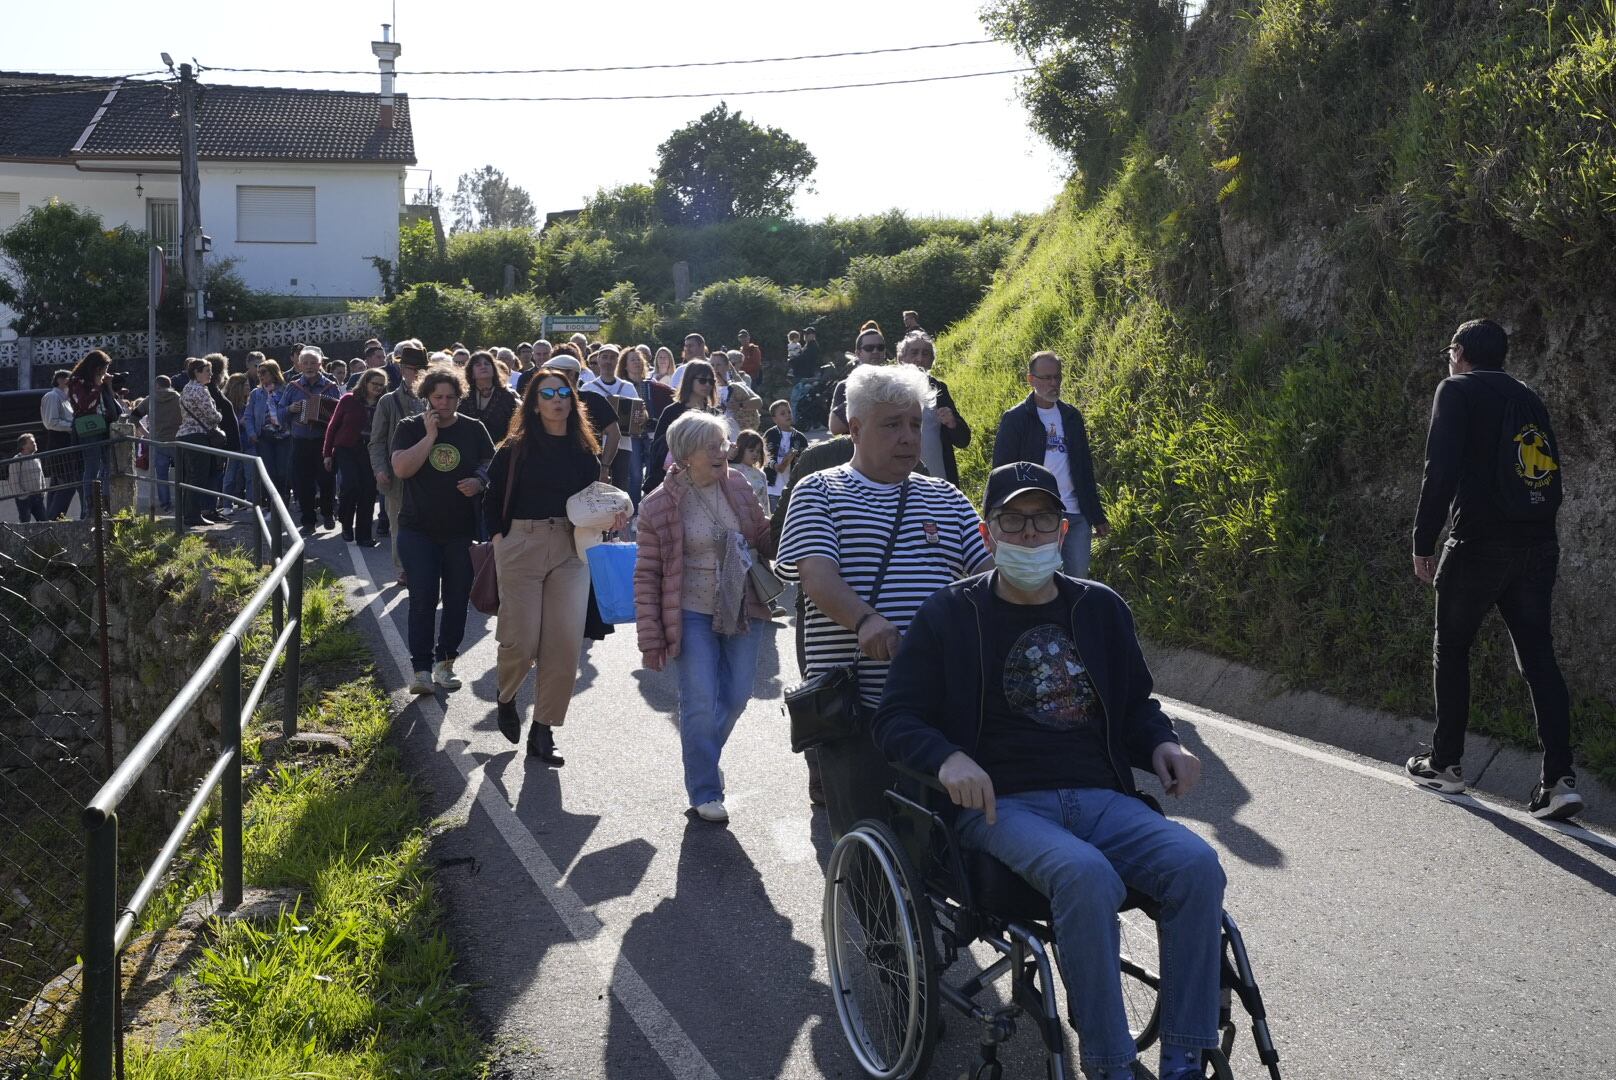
column 277, row 544
column 179, row 496
column 294, row 651
column 230, row 721
column 101, row 975
column 103, row 632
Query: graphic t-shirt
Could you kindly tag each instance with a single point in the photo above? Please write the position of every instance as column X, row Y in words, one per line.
column 433, row 503
column 1055, row 456
column 1043, row 726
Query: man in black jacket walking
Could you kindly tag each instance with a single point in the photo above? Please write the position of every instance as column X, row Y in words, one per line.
column 1490, row 457
column 1047, row 431
column 1025, row 693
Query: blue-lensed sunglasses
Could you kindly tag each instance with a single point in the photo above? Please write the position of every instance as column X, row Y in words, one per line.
column 550, row 393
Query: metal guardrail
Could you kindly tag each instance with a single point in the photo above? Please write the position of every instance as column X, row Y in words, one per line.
column 108, row 925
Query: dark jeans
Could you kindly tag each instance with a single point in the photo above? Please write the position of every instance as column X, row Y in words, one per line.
column 61, row 473
column 195, row 469
column 357, row 506
column 855, row 778
column 310, row 481
column 1473, row 578
column 435, row 566
column 30, row 507
column 96, row 455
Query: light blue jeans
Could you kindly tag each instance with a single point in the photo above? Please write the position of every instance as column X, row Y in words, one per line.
column 715, row 683
column 1083, row 848
column 162, row 459
column 1075, row 548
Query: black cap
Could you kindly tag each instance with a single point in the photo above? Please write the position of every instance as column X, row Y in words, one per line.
column 1018, row 478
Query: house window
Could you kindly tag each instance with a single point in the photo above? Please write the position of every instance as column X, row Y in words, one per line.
column 274, row 215
column 10, row 208
column 163, row 227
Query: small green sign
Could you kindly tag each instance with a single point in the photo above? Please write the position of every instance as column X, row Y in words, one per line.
column 571, row 324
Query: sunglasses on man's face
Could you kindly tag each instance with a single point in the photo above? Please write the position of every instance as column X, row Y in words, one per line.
column 550, row 393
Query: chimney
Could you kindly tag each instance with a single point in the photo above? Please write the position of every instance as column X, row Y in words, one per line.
column 386, row 51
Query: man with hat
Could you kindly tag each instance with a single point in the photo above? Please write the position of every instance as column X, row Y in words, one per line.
column 394, row 407
column 1025, row 693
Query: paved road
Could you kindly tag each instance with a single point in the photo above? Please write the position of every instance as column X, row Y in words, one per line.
column 1395, row 933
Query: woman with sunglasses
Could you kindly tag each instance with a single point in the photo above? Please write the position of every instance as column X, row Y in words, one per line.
column 697, row 392
column 870, row 347
column 549, row 456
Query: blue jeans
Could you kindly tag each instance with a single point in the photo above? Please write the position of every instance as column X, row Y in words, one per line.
column 277, row 455
column 1075, row 548
column 162, row 459
column 715, row 682
column 97, row 458
column 434, row 567
column 1083, row 848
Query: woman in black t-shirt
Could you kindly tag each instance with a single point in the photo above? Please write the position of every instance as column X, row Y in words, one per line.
column 442, row 459
column 549, row 456
column 697, row 390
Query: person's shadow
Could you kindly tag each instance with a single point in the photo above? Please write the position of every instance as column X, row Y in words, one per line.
column 1577, row 865
column 725, row 963
column 1217, row 801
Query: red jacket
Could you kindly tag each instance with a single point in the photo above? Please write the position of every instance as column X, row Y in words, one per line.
column 659, row 573
column 347, row 424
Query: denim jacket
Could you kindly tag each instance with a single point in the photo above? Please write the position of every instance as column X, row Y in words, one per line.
column 261, row 405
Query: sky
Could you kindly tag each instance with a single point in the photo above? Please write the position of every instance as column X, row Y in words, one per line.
column 942, row 148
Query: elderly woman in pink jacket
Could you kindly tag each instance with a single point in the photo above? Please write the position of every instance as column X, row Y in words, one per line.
column 698, row 534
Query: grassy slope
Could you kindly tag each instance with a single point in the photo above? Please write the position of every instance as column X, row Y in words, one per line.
column 1258, row 472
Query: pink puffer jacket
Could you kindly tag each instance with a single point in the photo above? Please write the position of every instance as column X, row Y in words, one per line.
column 659, row 574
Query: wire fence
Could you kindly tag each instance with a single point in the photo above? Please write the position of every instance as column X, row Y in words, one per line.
column 55, row 751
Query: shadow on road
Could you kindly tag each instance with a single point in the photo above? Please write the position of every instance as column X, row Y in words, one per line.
column 1542, row 844
column 1218, row 803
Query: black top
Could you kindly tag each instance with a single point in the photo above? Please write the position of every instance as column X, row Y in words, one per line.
column 227, row 418
column 1043, row 726
column 433, row 504
column 496, row 415
column 1461, row 456
column 806, row 364
column 551, row 470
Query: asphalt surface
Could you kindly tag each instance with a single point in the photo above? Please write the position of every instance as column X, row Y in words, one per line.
column 607, row 933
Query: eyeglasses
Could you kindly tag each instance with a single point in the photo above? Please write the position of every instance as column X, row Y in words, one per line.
column 1056, row 377
column 1045, row 522
column 704, row 380
column 550, row 393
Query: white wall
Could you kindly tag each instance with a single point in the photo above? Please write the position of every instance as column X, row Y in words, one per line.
column 356, row 215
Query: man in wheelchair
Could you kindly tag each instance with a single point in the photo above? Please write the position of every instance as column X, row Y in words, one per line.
column 1025, row 693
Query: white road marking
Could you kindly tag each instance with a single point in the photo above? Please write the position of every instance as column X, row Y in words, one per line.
column 601, row 943
column 1386, row 773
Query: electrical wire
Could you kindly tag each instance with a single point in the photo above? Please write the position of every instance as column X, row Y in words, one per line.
column 728, row 93
column 66, row 86
column 590, row 70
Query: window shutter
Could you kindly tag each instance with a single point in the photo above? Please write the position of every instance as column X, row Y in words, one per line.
column 274, row 215
column 10, row 208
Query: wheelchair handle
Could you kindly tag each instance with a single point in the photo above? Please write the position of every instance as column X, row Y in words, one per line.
column 920, row 777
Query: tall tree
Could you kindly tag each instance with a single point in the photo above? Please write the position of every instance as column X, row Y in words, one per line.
column 724, row 166
column 486, row 199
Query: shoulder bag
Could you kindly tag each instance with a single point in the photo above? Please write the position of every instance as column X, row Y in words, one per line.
column 825, row 707
column 211, row 436
column 484, row 575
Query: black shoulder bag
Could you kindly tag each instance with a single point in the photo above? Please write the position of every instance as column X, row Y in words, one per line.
column 825, row 707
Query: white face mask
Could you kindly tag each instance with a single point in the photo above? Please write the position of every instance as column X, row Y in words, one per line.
column 1028, row 568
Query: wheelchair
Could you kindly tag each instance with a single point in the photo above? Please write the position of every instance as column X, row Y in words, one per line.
column 904, row 899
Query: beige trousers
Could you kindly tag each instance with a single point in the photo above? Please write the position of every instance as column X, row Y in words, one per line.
column 543, row 601
column 394, row 496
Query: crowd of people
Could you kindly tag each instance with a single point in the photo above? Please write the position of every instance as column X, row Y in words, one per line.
column 979, row 649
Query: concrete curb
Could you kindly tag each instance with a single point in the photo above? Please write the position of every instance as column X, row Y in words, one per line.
column 1505, row 772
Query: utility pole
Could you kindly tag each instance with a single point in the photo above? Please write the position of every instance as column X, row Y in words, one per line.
column 192, row 242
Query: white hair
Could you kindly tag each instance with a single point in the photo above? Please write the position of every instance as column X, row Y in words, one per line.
column 900, row 385
column 316, row 353
column 440, row 357
column 505, row 356
column 693, row 432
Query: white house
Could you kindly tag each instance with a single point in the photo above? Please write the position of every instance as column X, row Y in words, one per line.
column 300, row 187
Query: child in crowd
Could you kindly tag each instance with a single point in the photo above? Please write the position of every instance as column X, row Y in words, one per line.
column 784, row 444
column 747, row 459
column 793, row 347
column 27, row 479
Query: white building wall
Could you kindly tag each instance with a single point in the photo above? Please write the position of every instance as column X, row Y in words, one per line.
column 357, row 210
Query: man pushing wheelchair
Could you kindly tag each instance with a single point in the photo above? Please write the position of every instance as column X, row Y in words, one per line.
column 1025, row 693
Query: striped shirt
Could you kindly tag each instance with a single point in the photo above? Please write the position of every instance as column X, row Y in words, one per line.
column 848, row 518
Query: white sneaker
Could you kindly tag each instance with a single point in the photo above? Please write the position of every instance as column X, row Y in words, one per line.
column 712, row 811
column 422, row 683
column 1558, row 801
column 443, row 674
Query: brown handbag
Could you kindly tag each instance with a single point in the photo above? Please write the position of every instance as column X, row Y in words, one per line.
column 484, row 574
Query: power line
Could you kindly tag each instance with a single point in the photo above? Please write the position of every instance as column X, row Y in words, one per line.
column 730, row 93
column 66, row 86
column 591, row 70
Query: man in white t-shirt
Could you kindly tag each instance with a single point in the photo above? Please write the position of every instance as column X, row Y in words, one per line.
column 1047, row 431
column 838, row 529
column 695, row 349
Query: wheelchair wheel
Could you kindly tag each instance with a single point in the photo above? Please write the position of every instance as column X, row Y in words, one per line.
column 1141, row 953
column 880, row 951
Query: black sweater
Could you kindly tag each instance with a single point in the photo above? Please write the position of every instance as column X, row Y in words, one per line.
column 552, row 469
column 1461, row 454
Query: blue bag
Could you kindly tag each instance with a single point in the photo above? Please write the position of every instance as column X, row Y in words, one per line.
column 611, row 568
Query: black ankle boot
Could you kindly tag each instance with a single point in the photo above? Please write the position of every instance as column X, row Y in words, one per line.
column 541, row 744
column 510, row 721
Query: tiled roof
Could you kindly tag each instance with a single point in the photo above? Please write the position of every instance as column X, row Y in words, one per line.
column 238, row 123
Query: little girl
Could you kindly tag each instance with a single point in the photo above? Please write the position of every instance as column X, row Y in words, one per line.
column 747, row 459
